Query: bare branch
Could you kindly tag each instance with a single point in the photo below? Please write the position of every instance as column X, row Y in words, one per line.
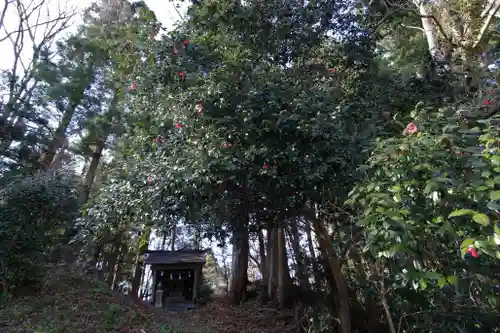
column 493, row 10
column 412, row 27
column 6, row 4
column 35, row 30
column 396, row 8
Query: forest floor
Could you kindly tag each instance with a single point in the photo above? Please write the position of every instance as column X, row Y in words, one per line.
column 74, row 304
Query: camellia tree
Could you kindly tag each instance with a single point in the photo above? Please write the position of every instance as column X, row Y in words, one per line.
column 239, row 117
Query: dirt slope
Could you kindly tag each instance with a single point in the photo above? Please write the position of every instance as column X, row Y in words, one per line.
column 73, row 304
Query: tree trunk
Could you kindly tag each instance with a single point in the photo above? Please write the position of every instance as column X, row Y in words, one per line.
column 240, row 260
column 283, row 276
column 299, row 256
column 136, row 280
column 85, row 166
column 272, row 257
column 117, row 270
column 197, row 237
column 143, row 246
column 58, row 158
column 164, row 241
column 91, row 173
column 314, row 260
column 326, row 247
column 60, row 134
column 113, row 259
column 173, row 237
column 430, row 30
column 262, row 254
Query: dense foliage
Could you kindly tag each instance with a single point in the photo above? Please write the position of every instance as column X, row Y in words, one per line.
column 349, row 152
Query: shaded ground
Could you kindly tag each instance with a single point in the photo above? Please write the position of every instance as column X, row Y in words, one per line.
column 76, row 305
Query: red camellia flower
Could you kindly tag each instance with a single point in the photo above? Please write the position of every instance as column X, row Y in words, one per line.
column 199, row 107
column 265, row 166
column 178, row 125
column 182, row 74
column 186, row 42
column 331, row 70
column 132, row 87
column 410, row 129
column 473, row 252
column 150, row 180
column 486, row 102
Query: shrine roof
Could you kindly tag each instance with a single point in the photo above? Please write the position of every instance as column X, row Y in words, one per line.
column 175, row 257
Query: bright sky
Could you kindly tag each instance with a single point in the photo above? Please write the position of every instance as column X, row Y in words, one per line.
column 166, row 11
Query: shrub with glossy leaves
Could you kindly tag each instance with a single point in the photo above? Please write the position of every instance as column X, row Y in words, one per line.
column 429, row 207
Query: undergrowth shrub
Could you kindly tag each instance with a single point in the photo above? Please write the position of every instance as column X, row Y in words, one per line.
column 35, row 213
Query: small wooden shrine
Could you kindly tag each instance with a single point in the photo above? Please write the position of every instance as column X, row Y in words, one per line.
column 176, row 275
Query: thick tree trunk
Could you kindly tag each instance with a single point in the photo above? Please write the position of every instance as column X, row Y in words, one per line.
column 272, row 257
column 91, row 173
column 240, row 260
column 326, row 247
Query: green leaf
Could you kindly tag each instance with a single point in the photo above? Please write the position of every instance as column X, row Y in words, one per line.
column 495, row 195
column 462, row 212
column 493, row 205
column 423, row 284
column 482, row 219
column 452, row 279
column 466, row 243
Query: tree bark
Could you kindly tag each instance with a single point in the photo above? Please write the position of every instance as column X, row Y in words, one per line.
column 113, row 260
column 58, row 158
column 173, row 236
column 164, row 241
column 60, row 134
column 91, row 173
column 282, row 271
column 314, row 260
column 430, row 30
column 262, row 254
column 143, row 246
column 326, row 247
column 272, row 257
column 299, row 255
column 240, row 260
